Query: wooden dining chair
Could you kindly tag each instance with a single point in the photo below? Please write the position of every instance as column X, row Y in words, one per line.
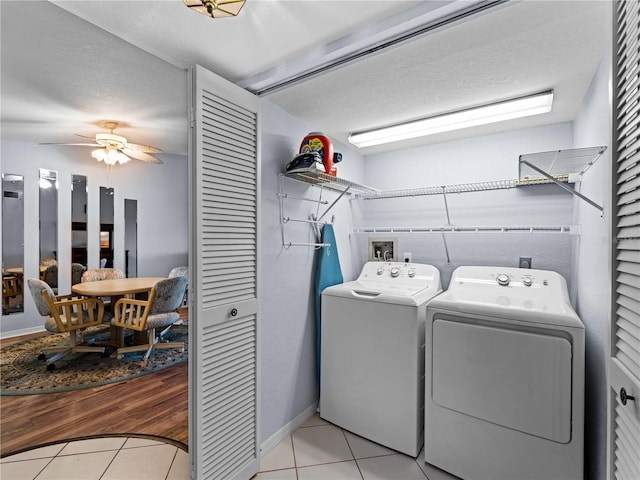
column 65, row 314
column 11, row 288
column 155, row 316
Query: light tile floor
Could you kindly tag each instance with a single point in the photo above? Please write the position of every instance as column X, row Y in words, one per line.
column 318, row 450
column 103, row 458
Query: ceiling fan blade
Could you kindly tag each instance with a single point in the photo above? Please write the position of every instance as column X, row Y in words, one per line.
column 84, row 136
column 142, row 148
column 73, row 144
column 145, row 157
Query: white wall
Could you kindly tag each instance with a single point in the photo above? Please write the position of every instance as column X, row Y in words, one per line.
column 161, row 191
column 477, row 159
column 592, row 266
column 288, row 382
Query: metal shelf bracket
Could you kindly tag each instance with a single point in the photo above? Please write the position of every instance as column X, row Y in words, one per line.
column 565, row 186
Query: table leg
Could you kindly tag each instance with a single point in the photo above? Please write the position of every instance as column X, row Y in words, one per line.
column 117, row 336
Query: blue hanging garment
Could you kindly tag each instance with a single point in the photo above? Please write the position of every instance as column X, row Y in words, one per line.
column 328, row 273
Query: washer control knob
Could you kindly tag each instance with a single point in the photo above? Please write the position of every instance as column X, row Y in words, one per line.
column 395, row 272
column 380, row 271
column 412, row 273
column 527, row 281
column 503, row 279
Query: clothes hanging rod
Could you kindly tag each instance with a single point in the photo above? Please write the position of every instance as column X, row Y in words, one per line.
column 289, row 219
column 570, row 229
column 313, row 200
column 290, row 244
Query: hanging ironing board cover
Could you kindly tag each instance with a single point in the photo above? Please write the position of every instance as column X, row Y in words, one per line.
column 328, row 273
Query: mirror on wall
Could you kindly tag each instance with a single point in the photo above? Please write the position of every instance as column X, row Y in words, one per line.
column 106, row 227
column 49, row 227
column 78, row 227
column 131, row 237
column 12, row 243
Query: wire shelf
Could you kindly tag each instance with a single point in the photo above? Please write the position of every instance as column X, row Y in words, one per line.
column 558, row 163
column 331, row 182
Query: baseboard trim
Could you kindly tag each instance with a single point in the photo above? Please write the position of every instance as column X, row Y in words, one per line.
column 23, row 331
column 287, row 429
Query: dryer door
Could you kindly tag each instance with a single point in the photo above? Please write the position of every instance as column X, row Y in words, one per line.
column 516, row 379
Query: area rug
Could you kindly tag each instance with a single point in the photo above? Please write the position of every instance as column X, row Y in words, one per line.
column 21, row 373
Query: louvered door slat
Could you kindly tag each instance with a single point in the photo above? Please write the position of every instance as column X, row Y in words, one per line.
column 628, row 209
column 226, row 220
column 630, row 176
column 632, row 219
column 231, row 159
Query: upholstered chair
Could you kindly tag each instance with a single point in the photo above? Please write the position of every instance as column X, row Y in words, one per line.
column 96, row 274
column 77, row 269
column 181, row 272
column 50, row 276
column 155, row 316
column 65, row 314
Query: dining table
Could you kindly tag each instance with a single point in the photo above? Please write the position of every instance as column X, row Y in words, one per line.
column 20, row 270
column 116, row 288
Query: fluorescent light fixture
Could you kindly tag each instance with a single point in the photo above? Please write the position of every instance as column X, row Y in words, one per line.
column 496, row 112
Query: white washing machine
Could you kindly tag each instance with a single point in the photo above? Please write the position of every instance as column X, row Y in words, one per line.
column 504, row 377
column 372, row 353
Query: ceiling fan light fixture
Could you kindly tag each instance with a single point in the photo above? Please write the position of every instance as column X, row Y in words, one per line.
column 216, row 8
column 109, row 155
column 495, row 112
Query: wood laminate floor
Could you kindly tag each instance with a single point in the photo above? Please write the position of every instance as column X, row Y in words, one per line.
column 154, row 404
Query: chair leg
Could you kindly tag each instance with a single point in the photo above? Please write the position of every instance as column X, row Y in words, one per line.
column 58, row 356
column 67, row 349
column 153, row 343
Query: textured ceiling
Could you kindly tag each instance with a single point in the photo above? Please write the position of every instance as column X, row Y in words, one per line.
column 62, row 75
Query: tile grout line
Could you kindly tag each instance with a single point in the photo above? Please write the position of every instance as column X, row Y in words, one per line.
column 175, row 455
column 113, row 459
column 293, row 451
column 355, row 460
column 44, row 468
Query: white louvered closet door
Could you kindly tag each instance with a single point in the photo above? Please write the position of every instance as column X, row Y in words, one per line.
column 624, row 361
column 223, row 420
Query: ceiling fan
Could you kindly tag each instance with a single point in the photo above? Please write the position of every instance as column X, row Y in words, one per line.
column 115, row 148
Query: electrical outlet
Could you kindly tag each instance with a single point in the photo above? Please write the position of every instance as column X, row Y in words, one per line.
column 524, row 262
column 383, row 249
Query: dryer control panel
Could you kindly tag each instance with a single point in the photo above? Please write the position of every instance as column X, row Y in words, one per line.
column 520, row 279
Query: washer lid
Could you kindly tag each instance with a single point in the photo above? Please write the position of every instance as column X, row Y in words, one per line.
column 537, row 296
column 384, row 293
column 388, row 289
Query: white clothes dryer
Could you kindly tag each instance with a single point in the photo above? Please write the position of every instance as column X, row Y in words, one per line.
column 372, row 353
column 504, row 377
